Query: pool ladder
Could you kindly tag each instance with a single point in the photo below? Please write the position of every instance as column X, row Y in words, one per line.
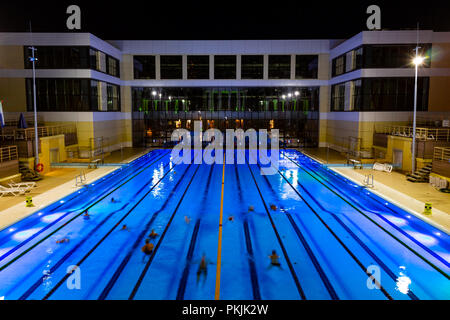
column 368, row 181
column 80, row 179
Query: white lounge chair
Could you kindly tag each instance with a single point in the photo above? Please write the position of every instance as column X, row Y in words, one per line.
column 27, row 186
column 11, row 191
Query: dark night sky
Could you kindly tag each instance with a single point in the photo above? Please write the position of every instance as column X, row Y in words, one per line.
column 222, row 19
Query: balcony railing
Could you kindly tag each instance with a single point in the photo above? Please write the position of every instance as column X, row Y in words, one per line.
column 11, row 133
column 441, row 154
column 8, row 153
column 437, row 134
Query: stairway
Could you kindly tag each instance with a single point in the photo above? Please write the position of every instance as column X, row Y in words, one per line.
column 421, row 175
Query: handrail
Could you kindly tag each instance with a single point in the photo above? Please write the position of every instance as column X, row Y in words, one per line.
column 424, row 133
column 442, row 154
column 28, row 133
column 8, row 153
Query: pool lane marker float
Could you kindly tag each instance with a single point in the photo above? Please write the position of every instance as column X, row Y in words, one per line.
column 183, row 281
column 382, row 228
column 248, row 242
column 138, row 241
column 149, row 262
column 358, row 262
column 66, row 223
column 105, row 236
column 288, row 260
column 219, row 246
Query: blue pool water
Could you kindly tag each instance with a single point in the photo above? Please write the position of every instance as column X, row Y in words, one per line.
column 330, row 234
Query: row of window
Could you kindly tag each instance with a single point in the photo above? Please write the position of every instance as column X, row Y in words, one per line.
column 379, row 94
column 74, row 57
column 73, row 95
column 225, row 99
column 380, row 56
column 252, row 67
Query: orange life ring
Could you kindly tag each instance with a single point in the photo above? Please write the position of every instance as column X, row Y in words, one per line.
column 39, row 167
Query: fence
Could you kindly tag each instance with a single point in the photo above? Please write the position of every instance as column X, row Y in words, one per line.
column 438, row 134
column 8, row 153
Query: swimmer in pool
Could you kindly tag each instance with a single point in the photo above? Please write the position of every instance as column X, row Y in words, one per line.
column 274, row 260
column 124, row 227
column 231, row 218
column 203, row 268
column 251, row 208
column 147, row 249
column 273, row 207
column 86, row 215
column 187, row 219
column 63, row 240
column 153, row 234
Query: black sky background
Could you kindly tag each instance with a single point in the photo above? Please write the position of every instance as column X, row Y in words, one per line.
column 208, row 20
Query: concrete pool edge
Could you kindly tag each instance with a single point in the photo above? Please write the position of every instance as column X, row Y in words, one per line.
column 383, row 191
column 16, row 213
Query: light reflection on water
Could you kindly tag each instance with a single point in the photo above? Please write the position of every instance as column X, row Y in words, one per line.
column 403, row 281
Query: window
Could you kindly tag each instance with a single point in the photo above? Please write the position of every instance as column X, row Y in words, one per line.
column 198, row 67
column 338, row 66
column 144, row 67
column 252, row 67
column 72, row 95
column 58, row 57
column 394, row 56
column 379, row 94
column 113, row 97
column 224, row 67
column 113, row 66
column 171, row 67
column 306, row 66
column 279, row 67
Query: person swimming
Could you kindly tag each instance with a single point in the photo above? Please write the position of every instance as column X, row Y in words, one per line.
column 251, row 208
column 273, row 207
column 63, row 240
column 231, row 218
column 202, row 268
column 187, row 219
column 153, row 234
column 147, row 249
column 274, row 260
column 124, row 227
column 86, row 215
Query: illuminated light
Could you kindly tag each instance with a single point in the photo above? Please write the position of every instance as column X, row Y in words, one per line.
column 402, row 284
column 409, row 217
column 283, row 96
column 386, row 203
column 423, row 238
column 296, row 93
column 12, row 229
column 437, row 233
column 23, row 235
column 418, row 60
column 289, row 95
column 40, row 214
column 62, row 201
column 153, row 93
column 51, row 217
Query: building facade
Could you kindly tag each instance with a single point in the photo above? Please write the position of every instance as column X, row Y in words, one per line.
column 316, row 92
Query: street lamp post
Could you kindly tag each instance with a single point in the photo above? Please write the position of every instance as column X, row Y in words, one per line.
column 33, row 60
column 418, row 60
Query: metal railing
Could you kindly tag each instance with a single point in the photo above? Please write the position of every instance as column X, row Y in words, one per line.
column 441, row 154
column 438, row 134
column 8, row 153
column 11, row 133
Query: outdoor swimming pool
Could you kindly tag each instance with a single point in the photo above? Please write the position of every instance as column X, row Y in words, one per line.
column 329, row 233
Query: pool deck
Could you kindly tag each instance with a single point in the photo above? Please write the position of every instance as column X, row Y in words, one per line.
column 395, row 188
column 57, row 184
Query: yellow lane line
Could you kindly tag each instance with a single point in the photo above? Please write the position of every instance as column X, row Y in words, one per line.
column 219, row 247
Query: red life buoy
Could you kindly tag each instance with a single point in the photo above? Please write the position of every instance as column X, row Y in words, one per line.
column 39, row 167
